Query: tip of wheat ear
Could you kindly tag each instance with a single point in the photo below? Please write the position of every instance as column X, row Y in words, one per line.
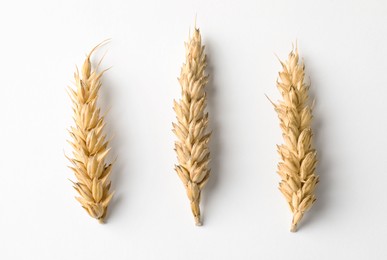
column 293, row 228
column 197, row 221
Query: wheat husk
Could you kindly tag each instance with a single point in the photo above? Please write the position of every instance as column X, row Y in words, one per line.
column 297, row 168
column 192, row 145
column 89, row 144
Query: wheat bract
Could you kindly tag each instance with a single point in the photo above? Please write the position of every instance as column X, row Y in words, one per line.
column 298, row 166
column 88, row 142
column 192, row 120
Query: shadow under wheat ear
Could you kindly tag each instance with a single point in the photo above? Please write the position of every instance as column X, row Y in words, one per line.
column 89, row 144
column 298, row 166
column 192, row 120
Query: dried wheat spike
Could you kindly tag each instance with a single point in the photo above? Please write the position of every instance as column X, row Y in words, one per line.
column 298, row 166
column 88, row 142
column 192, row 120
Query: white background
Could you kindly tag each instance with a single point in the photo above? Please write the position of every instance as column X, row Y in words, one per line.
column 344, row 45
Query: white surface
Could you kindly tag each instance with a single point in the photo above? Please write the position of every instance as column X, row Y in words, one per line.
column 344, row 45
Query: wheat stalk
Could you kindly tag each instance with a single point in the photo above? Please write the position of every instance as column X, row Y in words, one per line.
column 298, row 166
column 88, row 142
column 192, row 120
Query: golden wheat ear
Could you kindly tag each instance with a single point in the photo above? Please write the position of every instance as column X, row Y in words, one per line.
column 90, row 147
column 192, row 137
column 297, row 167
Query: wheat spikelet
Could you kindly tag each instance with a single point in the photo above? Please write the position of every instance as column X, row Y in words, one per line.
column 298, row 166
column 192, row 120
column 88, row 142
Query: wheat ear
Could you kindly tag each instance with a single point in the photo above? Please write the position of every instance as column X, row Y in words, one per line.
column 192, row 120
column 298, row 166
column 88, row 142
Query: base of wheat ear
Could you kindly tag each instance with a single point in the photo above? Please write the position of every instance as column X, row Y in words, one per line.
column 88, row 142
column 192, row 120
column 298, row 166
